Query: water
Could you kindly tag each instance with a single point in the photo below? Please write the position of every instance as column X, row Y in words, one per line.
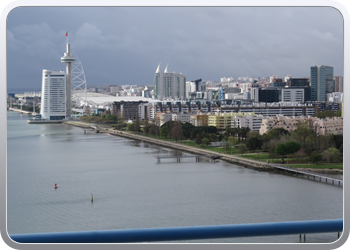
column 131, row 190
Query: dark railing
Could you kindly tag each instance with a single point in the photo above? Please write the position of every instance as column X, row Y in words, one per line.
column 184, row 233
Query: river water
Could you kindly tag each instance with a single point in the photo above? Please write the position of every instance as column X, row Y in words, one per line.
column 131, row 190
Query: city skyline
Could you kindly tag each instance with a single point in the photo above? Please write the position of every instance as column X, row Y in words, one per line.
column 124, row 45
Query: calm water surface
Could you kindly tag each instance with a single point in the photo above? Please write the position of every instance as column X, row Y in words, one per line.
column 131, row 190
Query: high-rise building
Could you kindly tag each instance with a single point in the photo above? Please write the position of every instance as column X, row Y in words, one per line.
column 169, row 85
column 53, row 96
column 321, row 82
column 339, row 84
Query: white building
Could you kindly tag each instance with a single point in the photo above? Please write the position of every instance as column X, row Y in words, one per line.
column 292, row 95
column 249, row 120
column 245, row 86
column 169, row 85
column 335, row 97
column 182, row 117
column 53, row 95
column 226, row 79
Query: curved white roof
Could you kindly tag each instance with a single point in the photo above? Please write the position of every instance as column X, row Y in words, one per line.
column 157, row 71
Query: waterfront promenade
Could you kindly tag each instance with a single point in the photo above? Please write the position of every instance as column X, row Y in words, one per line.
column 174, row 145
column 249, row 163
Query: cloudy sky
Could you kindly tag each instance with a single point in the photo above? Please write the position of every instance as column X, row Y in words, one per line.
column 124, row 45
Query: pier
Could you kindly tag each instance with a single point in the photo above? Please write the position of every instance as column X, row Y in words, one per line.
column 309, row 175
column 179, row 157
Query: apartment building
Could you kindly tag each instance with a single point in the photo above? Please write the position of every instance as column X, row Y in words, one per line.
column 199, row 120
column 325, row 126
column 328, row 126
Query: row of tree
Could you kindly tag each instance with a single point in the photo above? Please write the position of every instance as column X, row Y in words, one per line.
column 302, row 142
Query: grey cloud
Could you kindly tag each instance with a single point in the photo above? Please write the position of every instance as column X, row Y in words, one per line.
column 116, row 43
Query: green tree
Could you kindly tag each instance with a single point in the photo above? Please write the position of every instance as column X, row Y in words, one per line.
column 315, row 157
column 176, row 131
column 337, row 140
column 282, row 151
column 242, row 148
column 205, row 142
column 311, row 143
column 302, row 132
column 231, row 140
column 198, row 139
column 328, row 113
column 242, row 133
column 331, row 155
column 287, row 148
column 292, row 147
column 154, row 129
column 227, row 146
column 276, row 133
column 131, row 127
column 164, row 131
column 254, row 143
column 146, row 127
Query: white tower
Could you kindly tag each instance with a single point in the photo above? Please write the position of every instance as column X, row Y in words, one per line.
column 68, row 59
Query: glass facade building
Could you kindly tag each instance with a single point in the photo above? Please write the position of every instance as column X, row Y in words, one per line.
column 321, row 82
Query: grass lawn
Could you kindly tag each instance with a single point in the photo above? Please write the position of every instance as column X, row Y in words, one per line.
column 294, row 163
column 317, row 166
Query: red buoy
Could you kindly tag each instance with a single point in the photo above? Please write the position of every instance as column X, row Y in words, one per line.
column 55, row 185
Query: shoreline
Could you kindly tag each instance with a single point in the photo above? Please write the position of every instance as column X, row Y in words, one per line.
column 253, row 164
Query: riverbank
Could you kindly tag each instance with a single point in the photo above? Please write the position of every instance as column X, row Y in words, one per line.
column 178, row 146
column 249, row 163
column 21, row 111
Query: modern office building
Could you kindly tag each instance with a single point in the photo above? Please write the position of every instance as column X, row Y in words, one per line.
column 53, row 97
column 169, row 85
column 321, row 82
column 266, row 94
column 292, row 95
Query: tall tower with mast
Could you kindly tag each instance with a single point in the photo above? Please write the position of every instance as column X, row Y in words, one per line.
column 68, row 59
